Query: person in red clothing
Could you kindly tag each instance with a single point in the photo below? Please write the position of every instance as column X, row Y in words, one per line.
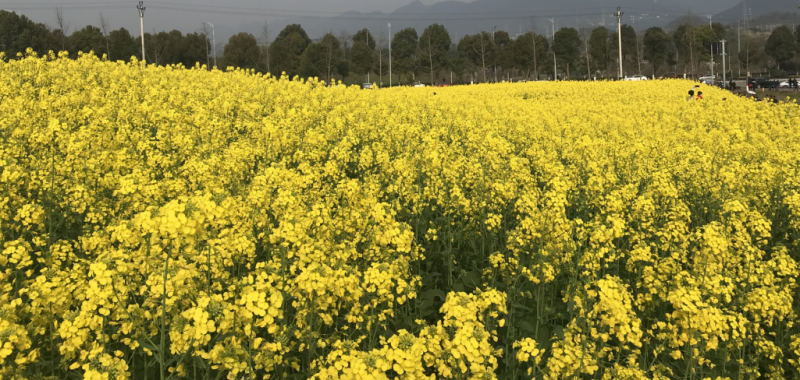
column 699, row 95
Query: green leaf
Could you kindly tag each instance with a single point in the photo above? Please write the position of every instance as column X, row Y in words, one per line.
column 432, row 294
column 471, row 280
column 222, row 337
column 520, row 306
column 143, row 343
column 525, row 326
column 559, row 332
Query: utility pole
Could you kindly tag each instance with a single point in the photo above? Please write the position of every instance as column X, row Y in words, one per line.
column 724, row 71
column 141, row 9
column 370, row 63
column 638, row 52
column 739, row 48
column 390, row 55
column 711, row 27
column 213, row 41
column 555, row 64
column 619, row 36
column 495, row 48
column 712, row 61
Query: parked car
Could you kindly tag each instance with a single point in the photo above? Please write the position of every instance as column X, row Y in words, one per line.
column 636, row 78
column 767, row 83
column 707, row 79
column 366, row 86
column 418, row 84
column 784, row 84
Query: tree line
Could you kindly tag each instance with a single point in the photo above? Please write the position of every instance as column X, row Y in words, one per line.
column 480, row 57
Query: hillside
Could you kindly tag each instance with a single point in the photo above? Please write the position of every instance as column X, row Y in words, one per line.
column 757, row 9
column 462, row 18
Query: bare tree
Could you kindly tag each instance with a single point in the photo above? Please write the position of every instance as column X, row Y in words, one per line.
column 483, row 48
column 535, row 64
column 585, row 35
column 63, row 26
column 332, row 58
column 344, row 38
column 691, row 40
column 206, row 33
column 157, row 46
column 265, row 32
column 380, row 38
column 104, row 29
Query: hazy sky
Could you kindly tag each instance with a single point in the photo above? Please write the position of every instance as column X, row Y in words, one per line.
column 230, row 15
column 158, row 14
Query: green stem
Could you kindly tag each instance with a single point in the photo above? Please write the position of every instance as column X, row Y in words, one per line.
column 163, row 318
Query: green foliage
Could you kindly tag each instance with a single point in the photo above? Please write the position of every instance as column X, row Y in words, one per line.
column 343, row 68
column 434, row 44
column 196, row 48
column 362, row 57
column 479, row 51
column 285, row 52
column 531, row 52
column 122, row 45
column 691, row 43
column 504, row 54
column 749, row 54
column 322, row 59
column 404, row 51
column 566, row 45
column 242, row 51
column 17, row 33
column 797, row 33
column 720, row 31
column 294, row 29
column 365, row 36
column 88, row 39
column 628, row 41
column 600, row 47
column 656, row 45
column 780, row 45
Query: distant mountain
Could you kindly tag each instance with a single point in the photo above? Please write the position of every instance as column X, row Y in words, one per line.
column 755, row 9
column 514, row 16
column 691, row 19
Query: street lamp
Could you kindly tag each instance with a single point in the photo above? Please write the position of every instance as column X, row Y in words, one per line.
column 494, row 28
column 214, row 41
column 555, row 65
column 390, row 55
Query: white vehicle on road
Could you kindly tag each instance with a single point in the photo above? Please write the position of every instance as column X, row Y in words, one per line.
column 636, row 78
column 418, row 84
column 784, row 84
column 707, row 79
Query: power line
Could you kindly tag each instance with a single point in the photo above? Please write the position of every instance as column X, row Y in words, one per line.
column 66, row 4
column 170, row 3
column 329, row 15
column 367, row 16
column 76, row 6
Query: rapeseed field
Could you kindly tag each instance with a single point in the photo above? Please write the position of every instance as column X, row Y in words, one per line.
column 171, row 223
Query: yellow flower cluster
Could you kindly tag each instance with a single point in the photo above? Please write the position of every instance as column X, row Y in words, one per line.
column 459, row 346
column 165, row 222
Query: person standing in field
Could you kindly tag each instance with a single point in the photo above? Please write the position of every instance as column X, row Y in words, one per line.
column 699, row 95
column 691, row 95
